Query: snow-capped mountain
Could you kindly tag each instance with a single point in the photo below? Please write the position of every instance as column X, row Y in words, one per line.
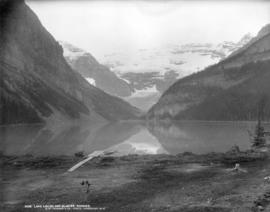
column 140, row 89
column 140, row 78
column 94, row 72
column 151, row 71
column 183, row 59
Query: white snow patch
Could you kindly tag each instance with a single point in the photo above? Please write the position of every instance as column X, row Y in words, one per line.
column 144, row 92
column 91, row 81
column 122, row 78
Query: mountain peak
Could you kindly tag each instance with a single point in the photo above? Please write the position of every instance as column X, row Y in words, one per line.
column 72, row 52
column 245, row 39
column 265, row 30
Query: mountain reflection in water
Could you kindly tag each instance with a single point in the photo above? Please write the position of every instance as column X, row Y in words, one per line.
column 202, row 137
column 125, row 138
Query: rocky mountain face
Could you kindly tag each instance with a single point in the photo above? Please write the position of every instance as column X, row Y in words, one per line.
column 95, row 73
column 37, row 84
column 139, row 89
column 228, row 90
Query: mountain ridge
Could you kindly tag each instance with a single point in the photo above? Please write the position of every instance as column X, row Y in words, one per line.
column 197, row 96
column 37, row 84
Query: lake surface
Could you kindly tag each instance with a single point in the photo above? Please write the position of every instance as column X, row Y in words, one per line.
column 126, row 138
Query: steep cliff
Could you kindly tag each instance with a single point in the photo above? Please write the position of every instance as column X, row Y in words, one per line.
column 37, row 84
column 229, row 90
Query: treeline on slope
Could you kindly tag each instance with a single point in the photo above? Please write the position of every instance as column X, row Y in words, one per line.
column 16, row 93
column 239, row 102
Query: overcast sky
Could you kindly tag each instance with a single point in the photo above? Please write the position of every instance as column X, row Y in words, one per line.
column 104, row 27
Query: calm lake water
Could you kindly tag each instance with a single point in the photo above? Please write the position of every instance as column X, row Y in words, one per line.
column 126, row 138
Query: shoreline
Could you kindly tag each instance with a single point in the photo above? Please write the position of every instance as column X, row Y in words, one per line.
column 184, row 182
column 144, row 121
column 229, row 157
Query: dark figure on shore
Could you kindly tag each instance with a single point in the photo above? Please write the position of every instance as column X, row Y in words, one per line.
column 87, row 184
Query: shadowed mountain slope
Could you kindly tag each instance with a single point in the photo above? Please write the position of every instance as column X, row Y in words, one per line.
column 37, row 84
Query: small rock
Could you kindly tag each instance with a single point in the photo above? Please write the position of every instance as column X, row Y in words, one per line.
column 261, row 208
column 267, row 178
column 238, row 169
